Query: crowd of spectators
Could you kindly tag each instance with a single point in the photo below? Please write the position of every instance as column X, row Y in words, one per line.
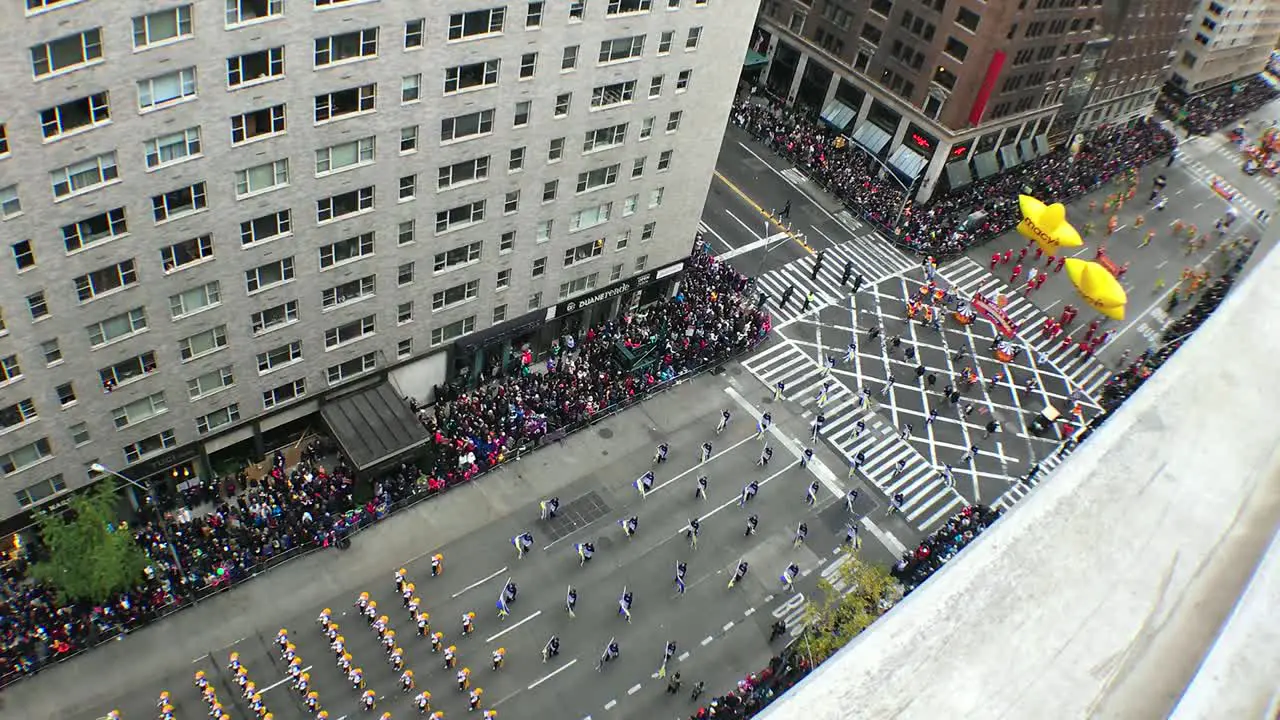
column 956, row 220
column 248, row 524
column 755, row 691
column 1210, row 112
column 913, row 568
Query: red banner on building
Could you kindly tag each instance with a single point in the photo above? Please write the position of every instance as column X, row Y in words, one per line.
column 988, row 86
column 995, row 315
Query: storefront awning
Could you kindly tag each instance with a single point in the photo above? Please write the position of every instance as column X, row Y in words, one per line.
column 373, row 426
column 1041, row 143
column 1026, row 150
column 986, row 164
column 908, row 162
column 1009, row 156
column 754, row 58
column 838, row 114
column 871, row 137
column 958, row 174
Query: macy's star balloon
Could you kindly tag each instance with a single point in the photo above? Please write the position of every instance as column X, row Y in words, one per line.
column 1047, row 225
column 1099, row 288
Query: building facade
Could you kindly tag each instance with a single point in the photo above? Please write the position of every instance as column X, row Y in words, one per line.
column 1227, row 40
column 220, row 213
column 953, row 89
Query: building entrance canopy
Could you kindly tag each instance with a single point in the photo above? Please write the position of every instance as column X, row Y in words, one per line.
column 374, row 426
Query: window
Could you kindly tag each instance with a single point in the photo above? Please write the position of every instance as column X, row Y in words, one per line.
column 269, row 275
column 664, row 160
column 218, row 419
column 682, row 80
column 119, row 327
column 408, row 139
column 336, row 207
column 148, row 446
column 615, row 273
column 167, row 89
column 944, row 78
column 52, row 352
column 242, row 12
column 404, row 348
column 629, row 205
column 641, row 263
column 346, row 103
column 507, row 242
column 673, row 4
column 79, row 434
column 621, row 49
column 188, row 252
column 283, row 394
column 255, row 67
column 404, row 275
column 968, row 19
column 499, row 314
column 353, row 45
column 178, row 203
column 692, row 40
column 105, row 280
column 624, row 239
column 210, row 383
column 257, row 124
column 655, row 197
column 408, row 187
column 543, row 233
column 453, row 330
column 126, row 371
column 410, row 88
column 796, row 24
column 535, row 301
column 549, row 190
column 956, row 49
column 515, row 160
column 504, row 279
column 139, row 410
column 596, row 179
column 414, row 33
column 555, row 150
column 24, row 256
column 10, row 370
column 348, row 292
column 190, row 302
column 349, row 332
column 578, row 285
column 35, row 7
column 521, row 116
column 345, row 251
column 455, row 295
column 67, row 52
column 539, row 267
column 202, row 343
column 637, row 167
column 622, row 7
column 406, row 232
column 404, row 313
column 84, row 176
column 473, row 76
column 563, row 102
column 279, row 357
column 161, row 27
column 577, row 9
column 346, row 155
column 172, row 148
column 607, row 96
column 646, row 234
column 673, row 120
column 37, row 305
column 590, row 217
column 26, row 456
column 463, row 173
column 528, row 65
column 66, row 393
column 569, row 59
column 583, row 253
column 533, row 18
column 665, row 41
column 351, row 368
column 266, row 228
column 466, row 126
column 262, row 178
column 457, row 257
column 476, row 23
column 459, row 217
column 73, row 115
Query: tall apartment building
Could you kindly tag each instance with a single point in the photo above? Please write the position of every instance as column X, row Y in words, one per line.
column 1227, row 40
column 221, row 216
column 942, row 90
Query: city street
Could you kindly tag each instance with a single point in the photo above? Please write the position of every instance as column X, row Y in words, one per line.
column 721, row 633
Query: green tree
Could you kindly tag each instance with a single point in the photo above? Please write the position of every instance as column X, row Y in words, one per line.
column 89, row 555
column 855, row 596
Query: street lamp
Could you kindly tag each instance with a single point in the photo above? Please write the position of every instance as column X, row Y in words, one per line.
column 168, row 537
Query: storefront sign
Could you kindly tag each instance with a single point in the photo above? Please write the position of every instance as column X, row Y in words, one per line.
column 619, row 288
column 141, row 471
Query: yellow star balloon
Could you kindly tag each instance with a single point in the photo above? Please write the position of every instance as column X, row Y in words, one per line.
column 1098, row 287
column 1047, row 225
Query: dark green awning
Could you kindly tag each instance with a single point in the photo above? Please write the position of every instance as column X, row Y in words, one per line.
column 754, row 58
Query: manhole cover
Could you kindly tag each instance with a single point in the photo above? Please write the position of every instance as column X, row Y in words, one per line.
column 605, row 433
